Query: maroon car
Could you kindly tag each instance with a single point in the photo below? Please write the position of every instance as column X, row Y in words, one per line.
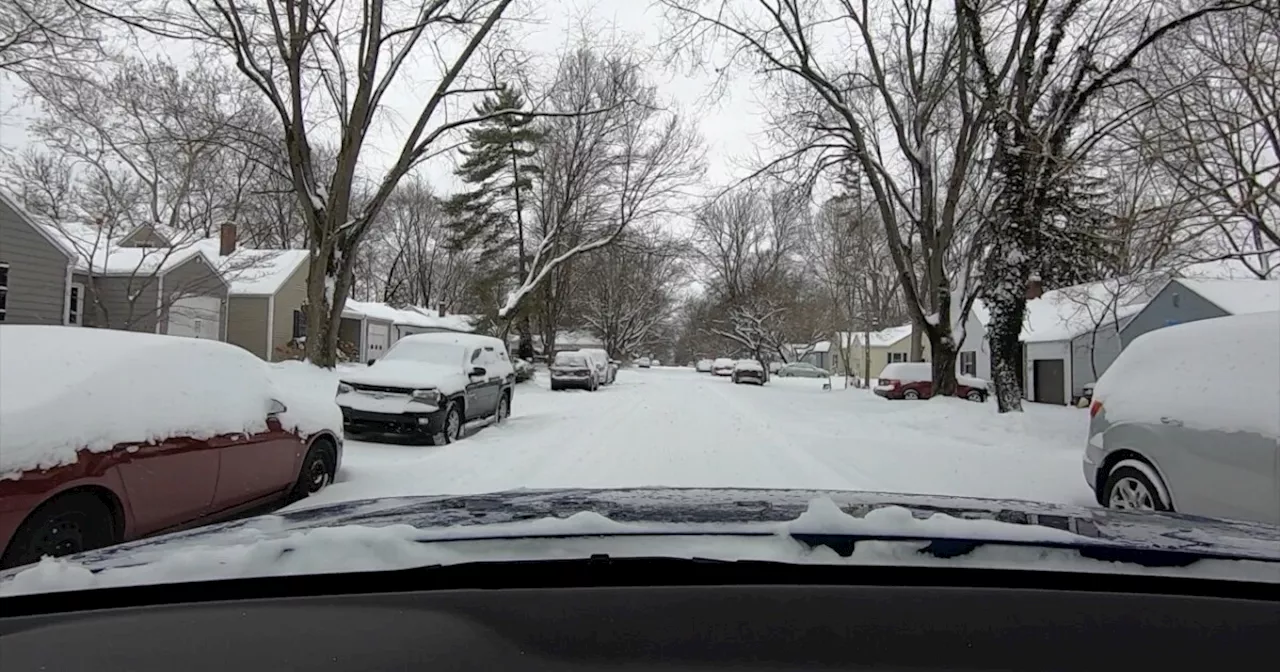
column 914, row 380
column 68, row 482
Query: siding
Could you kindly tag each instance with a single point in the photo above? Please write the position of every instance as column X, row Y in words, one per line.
column 37, row 271
column 247, row 323
column 291, row 296
column 349, row 330
column 1090, row 352
column 880, row 356
column 1161, row 311
column 143, row 236
column 120, row 302
column 193, row 277
column 975, row 341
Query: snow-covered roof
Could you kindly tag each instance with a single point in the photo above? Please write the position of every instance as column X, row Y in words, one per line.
column 37, row 223
column 1066, row 313
column 96, row 251
column 878, row 339
column 412, row 316
column 1238, row 297
column 252, row 272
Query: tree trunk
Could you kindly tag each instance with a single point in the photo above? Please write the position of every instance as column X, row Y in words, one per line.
column 943, row 350
column 324, row 305
column 1008, row 305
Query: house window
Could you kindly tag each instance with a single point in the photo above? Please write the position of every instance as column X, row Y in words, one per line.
column 895, row 357
column 299, row 324
column 75, row 306
column 4, row 291
column 969, row 363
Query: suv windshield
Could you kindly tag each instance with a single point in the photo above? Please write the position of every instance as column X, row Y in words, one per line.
column 426, row 352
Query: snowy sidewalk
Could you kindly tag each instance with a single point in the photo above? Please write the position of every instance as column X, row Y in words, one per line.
column 675, row 427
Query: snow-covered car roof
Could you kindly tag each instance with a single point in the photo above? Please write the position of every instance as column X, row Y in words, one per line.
column 66, row 389
column 723, row 361
column 908, row 372
column 747, row 365
column 571, row 357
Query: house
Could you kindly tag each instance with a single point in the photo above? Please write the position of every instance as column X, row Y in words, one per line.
column 1190, row 299
column 885, row 347
column 372, row 327
column 35, row 270
column 174, row 290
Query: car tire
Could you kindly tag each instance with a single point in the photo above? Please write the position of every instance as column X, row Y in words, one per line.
column 911, row 395
column 319, row 468
column 503, row 411
column 67, row 524
column 975, row 395
column 555, row 388
column 1134, row 486
column 452, row 419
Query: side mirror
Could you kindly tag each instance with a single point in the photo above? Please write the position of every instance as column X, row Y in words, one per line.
column 478, row 371
column 370, row 362
column 276, row 408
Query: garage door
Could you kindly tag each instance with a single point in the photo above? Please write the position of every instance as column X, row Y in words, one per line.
column 196, row 317
column 377, row 339
column 1050, row 381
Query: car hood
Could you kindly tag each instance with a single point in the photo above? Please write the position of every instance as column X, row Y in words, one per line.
column 353, row 536
column 409, row 375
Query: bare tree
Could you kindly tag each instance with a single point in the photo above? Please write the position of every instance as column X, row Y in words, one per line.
column 607, row 172
column 46, row 37
column 631, row 291
column 892, row 103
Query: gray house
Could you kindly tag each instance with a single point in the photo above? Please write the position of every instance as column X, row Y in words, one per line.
column 1187, row 300
column 35, row 270
column 74, row 274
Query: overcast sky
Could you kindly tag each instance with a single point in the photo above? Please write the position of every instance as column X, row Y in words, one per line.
column 730, row 124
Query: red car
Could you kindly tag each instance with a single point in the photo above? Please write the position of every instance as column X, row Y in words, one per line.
column 57, row 498
column 914, row 380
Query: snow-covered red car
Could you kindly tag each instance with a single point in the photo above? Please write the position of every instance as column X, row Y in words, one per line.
column 109, row 436
column 914, row 380
column 722, row 366
column 429, row 385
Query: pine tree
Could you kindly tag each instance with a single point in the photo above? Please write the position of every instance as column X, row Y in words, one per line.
column 500, row 171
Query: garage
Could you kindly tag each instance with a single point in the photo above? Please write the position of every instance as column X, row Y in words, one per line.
column 377, row 339
column 196, row 317
column 1049, row 377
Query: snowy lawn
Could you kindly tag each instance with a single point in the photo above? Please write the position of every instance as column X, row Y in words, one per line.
column 676, row 427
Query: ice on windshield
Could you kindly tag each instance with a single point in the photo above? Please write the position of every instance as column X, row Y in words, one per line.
column 426, row 352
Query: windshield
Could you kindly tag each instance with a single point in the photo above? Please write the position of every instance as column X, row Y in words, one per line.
column 443, row 354
column 636, row 251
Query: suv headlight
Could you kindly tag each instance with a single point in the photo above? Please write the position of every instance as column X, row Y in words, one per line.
column 427, row 396
column 344, row 388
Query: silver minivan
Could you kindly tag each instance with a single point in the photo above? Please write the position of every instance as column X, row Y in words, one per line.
column 1187, row 419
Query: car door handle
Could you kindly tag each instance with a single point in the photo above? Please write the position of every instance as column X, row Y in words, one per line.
column 1171, row 421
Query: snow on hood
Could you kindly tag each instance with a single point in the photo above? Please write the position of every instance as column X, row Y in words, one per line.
column 721, row 524
column 409, row 374
column 66, row 389
column 307, row 391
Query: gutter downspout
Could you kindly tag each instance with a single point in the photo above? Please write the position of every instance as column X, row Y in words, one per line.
column 160, row 303
column 271, row 325
column 66, row 297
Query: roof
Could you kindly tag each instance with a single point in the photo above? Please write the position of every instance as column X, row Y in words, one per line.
column 31, row 220
column 1238, row 297
column 96, row 251
column 252, row 272
column 879, row 339
column 1063, row 314
column 412, row 316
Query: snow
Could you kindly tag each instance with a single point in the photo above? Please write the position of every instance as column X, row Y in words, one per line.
column 908, row 372
column 1238, row 297
column 747, row 365
column 257, row 550
column 680, row 428
column 307, row 391
column 1063, row 314
column 1219, row 374
column 253, row 272
column 879, row 339
column 97, row 252
column 413, row 316
column 65, row 389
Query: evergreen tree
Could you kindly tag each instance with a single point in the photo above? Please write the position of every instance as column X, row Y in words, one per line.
column 499, row 170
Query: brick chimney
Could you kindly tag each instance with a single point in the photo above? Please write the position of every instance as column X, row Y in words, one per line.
column 227, row 239
column 1034, row 288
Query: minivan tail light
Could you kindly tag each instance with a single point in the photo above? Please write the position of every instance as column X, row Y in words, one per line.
column 1094, row 408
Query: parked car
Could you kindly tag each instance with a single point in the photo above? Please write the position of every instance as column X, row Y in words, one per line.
column 748, row 371
column 605, row 370
column 703, row 366
column 802, row 370
column 644, row 362
column 1173, row 430
column 722, row 367
column 109, row 436
column 524, row 369
column 573, row 368
column 657, row 362
column 914, row 380
column 429, row 385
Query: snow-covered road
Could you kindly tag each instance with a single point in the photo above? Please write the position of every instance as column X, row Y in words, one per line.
column 675, row 427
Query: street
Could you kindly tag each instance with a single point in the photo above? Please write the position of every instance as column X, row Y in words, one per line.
column 676, row 427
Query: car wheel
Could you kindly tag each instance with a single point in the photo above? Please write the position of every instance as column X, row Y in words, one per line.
column 319, row 468
column 504, row 408
column 1129, row 488
column 452, row 422
column 555, row 388
column 67, row 524
column 911, row 395
column 975, row 395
